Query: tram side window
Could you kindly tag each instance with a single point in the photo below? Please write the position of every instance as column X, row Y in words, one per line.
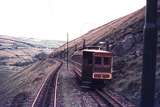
column 106, row 61
column 98, row 60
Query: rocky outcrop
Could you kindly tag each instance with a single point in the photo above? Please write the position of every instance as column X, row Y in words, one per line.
column 41, row 56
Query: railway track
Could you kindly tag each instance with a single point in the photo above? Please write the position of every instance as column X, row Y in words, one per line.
column 46, row 96
column 103, row 98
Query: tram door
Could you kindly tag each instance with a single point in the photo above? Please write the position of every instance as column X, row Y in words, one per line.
column 87, row 66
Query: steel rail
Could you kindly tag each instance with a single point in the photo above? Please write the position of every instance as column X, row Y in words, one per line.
column 110, row 99
column 55, row 91
column 41, row 99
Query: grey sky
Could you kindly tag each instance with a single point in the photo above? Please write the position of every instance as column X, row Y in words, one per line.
column 52, row 19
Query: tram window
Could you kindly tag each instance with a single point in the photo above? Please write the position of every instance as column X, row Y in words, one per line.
column 98, row 60
column 87, row 58
column 90, row 60
column 106, row 61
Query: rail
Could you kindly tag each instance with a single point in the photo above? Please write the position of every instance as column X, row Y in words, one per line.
column 43, row 98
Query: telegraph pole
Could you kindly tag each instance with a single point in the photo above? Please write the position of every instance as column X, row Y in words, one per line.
column 67, row 50
column 149, row 56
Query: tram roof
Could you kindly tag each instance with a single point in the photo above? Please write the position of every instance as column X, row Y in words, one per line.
column 96, row 51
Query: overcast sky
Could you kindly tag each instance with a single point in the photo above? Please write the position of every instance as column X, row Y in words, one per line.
column 52, row 19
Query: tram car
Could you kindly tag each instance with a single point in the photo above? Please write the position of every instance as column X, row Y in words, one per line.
column 96, row 68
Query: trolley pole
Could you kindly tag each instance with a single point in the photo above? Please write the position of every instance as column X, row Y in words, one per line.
column 84, row 43
column 107, row 46
column 149, row 55
column 67, row 50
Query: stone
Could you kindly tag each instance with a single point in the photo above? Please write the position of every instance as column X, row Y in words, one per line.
column 41, row 56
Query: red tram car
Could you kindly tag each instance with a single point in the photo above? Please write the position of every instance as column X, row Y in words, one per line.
column 96, row 68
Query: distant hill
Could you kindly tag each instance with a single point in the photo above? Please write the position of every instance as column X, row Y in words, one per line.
column 23, row 70
column 17, row 53
column 50, row 43
column 38, row 43
column 44, row 43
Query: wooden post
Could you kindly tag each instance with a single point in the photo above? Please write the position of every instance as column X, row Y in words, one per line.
column 67, row 50
column 149, row 56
